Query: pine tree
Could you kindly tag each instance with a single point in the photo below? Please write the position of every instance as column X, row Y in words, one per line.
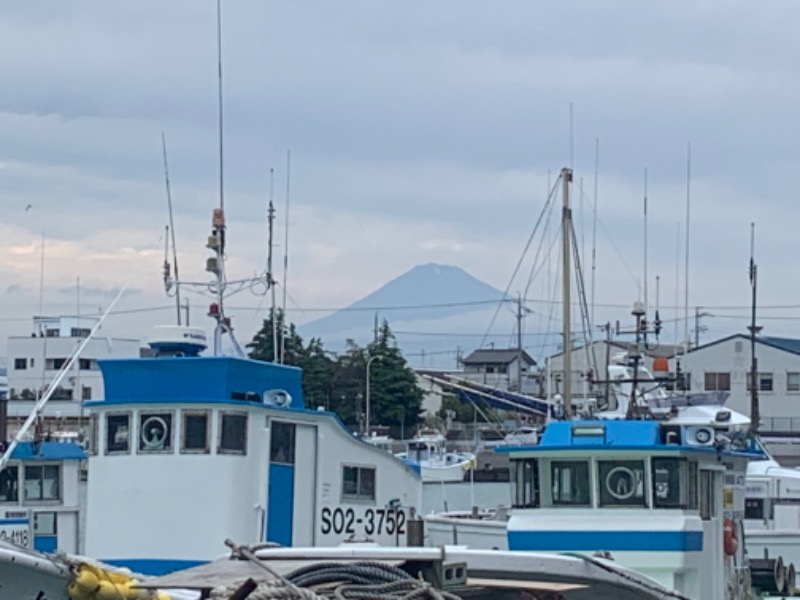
column 395, row 397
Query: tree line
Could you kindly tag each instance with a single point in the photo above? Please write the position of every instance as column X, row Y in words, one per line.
column 337, row 382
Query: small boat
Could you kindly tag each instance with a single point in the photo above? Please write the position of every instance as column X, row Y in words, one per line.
column 522, row 436
column 427, row 451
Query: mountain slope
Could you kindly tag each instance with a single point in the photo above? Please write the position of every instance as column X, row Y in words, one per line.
column 444, row 291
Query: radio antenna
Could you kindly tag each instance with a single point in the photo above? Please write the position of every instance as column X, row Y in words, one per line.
column 172, row 234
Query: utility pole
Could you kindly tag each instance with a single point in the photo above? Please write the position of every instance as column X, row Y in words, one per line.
column 755, row 415
column 519, row 343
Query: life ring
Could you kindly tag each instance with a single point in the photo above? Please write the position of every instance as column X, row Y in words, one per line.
column 729, row 541
column 624, row 487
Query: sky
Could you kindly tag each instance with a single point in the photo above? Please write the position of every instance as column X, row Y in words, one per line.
column 418, row 133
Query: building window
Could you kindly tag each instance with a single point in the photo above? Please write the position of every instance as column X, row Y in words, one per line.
column 570, row 481
column 358, row 483
column 86, row 393
column 793, row 381
column 118, row 433
column 765, row 382
column 622, row 483
column 9, row 484
column 42, row 482
column 85, row 364
column 233, row 433
column 281, row 443
column 155, row 432
column 195, row 432
column 718, row 382
column 674, row 483
column 79, row 332
column 525, row 483
column 52, row 333
column 20, row 364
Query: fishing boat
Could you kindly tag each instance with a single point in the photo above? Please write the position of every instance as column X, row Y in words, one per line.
column 427, row 451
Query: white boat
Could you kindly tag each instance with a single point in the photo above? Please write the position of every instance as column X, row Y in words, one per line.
column 522, row 436
column 427, row 452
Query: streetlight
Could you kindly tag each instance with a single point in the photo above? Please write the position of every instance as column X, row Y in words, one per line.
column 369, row 364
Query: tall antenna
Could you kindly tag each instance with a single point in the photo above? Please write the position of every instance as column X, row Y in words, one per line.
column 566, row 178
column 172, row 232
column 594, row 219
column 219, row 92
column 270, row 279
column 677, row 280
column 686, row 253
column 645, row 240
column 286, row 245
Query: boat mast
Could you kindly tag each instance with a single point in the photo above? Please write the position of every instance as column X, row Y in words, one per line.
column 566, row 228
column 167, row 237
column 218, row 220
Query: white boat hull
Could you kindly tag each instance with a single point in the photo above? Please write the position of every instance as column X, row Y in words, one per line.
column 27, row 575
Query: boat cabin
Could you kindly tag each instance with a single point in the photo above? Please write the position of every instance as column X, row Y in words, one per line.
column 193, row 450
column 40, row 492
column 665, row 500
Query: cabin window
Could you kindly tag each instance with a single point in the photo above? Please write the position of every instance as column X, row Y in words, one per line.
column 281, row 443
column 622, row 483
column 358, row 483
column 9, row 484
column 718, row 382
column 793, row 381
column 525, row 483
column 195, row 432
column 570, row 479
column 754, row 508
column 42, row 482
column 118, row 433
column 155, row 432
column 233, row 433
column 92, row 441
column 707, row 488
column 673, row 484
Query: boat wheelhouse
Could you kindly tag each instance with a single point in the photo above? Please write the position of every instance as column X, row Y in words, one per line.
column 192, row 450
column 665, row 500
column 40, row 492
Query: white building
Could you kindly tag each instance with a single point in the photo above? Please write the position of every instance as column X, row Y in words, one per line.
column 34, row 361
column 724, row 365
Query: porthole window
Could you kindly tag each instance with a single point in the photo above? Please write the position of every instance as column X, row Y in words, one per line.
column 155, row 432
column 622, row 483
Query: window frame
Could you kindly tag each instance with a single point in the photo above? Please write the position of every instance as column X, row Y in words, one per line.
column 360, row 495
column 220, row 431
column 129, row 415
column 206, row 449
column 11, row 481
column 686, row 480
column 561, row 463
column 20, row 364
column 291, row 431
column 144, row 415
column 762, row 377
column 606, row 498
column 793, row 388
column 525, row 483
column 42, row 480
column 719, row 379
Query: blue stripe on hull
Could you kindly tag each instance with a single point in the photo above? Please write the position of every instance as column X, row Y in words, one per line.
column 620, row 541
column 153, row 566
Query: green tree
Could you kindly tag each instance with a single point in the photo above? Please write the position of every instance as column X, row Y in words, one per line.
column 395, row 397
column 262, row 348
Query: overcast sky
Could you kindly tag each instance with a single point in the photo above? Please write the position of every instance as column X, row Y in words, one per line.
column 419, row 132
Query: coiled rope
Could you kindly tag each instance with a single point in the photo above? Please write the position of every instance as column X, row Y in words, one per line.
column 341, row 581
